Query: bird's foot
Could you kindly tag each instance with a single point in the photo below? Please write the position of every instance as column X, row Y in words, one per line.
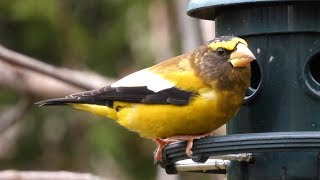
column 189, row 139
column 161, row 144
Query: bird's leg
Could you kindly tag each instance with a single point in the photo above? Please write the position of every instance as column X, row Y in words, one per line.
column 189, row 139
column 161, row 144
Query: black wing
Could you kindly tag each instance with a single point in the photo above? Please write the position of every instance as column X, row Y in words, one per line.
column 107, row 95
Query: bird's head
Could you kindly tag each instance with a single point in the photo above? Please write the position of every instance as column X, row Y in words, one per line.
column 226, row 58
column 232, row 49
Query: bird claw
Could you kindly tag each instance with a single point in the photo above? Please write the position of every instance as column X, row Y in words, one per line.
column 163, row 142
column 189, row 139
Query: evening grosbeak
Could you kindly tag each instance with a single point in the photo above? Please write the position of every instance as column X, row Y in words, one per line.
column 182, row 98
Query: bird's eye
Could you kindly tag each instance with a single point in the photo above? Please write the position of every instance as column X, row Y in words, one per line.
column 220, row 51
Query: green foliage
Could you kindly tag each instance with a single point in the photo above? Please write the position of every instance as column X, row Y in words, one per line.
column 73, row 33
column 124, row 146
column 7, row 96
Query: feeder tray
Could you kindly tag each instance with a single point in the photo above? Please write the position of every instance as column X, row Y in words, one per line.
column 205, row 148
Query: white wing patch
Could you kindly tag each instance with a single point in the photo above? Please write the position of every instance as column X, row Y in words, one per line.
column 208, row 95
column 146, row 78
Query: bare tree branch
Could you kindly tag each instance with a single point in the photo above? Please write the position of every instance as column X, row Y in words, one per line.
column 68, row 76
column 32, row 78
column 27, row 82
column 30, row 83
column 18, row 74
column 46, row 175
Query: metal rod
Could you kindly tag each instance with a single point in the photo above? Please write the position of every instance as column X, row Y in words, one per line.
column 246, row 157
column 213, row 163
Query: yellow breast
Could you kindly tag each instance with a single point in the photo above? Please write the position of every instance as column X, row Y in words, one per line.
column 201, row 116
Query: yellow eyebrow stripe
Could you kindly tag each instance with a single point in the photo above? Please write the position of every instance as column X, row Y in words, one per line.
column 229, row 45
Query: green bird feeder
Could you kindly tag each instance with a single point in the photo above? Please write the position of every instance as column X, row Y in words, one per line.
column 279, row 122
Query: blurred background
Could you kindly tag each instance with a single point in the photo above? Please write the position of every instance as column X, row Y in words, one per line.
column 95, row 41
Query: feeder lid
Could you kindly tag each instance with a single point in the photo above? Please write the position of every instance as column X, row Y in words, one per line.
column 207, row 9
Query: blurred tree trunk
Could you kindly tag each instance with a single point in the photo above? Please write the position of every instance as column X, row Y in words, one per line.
column 189, row 28
column 161, row 31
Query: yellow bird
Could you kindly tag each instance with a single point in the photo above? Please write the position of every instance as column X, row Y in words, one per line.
column 182, row 98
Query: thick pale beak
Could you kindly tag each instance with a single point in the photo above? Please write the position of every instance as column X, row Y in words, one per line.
column 242, row 56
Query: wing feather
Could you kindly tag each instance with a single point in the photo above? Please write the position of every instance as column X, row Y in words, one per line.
column 107, row 95
column 149, row 86
column 144, row 78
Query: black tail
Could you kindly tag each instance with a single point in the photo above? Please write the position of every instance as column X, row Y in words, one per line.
column 68, row 101
column 57, row 102
column 88, row 97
